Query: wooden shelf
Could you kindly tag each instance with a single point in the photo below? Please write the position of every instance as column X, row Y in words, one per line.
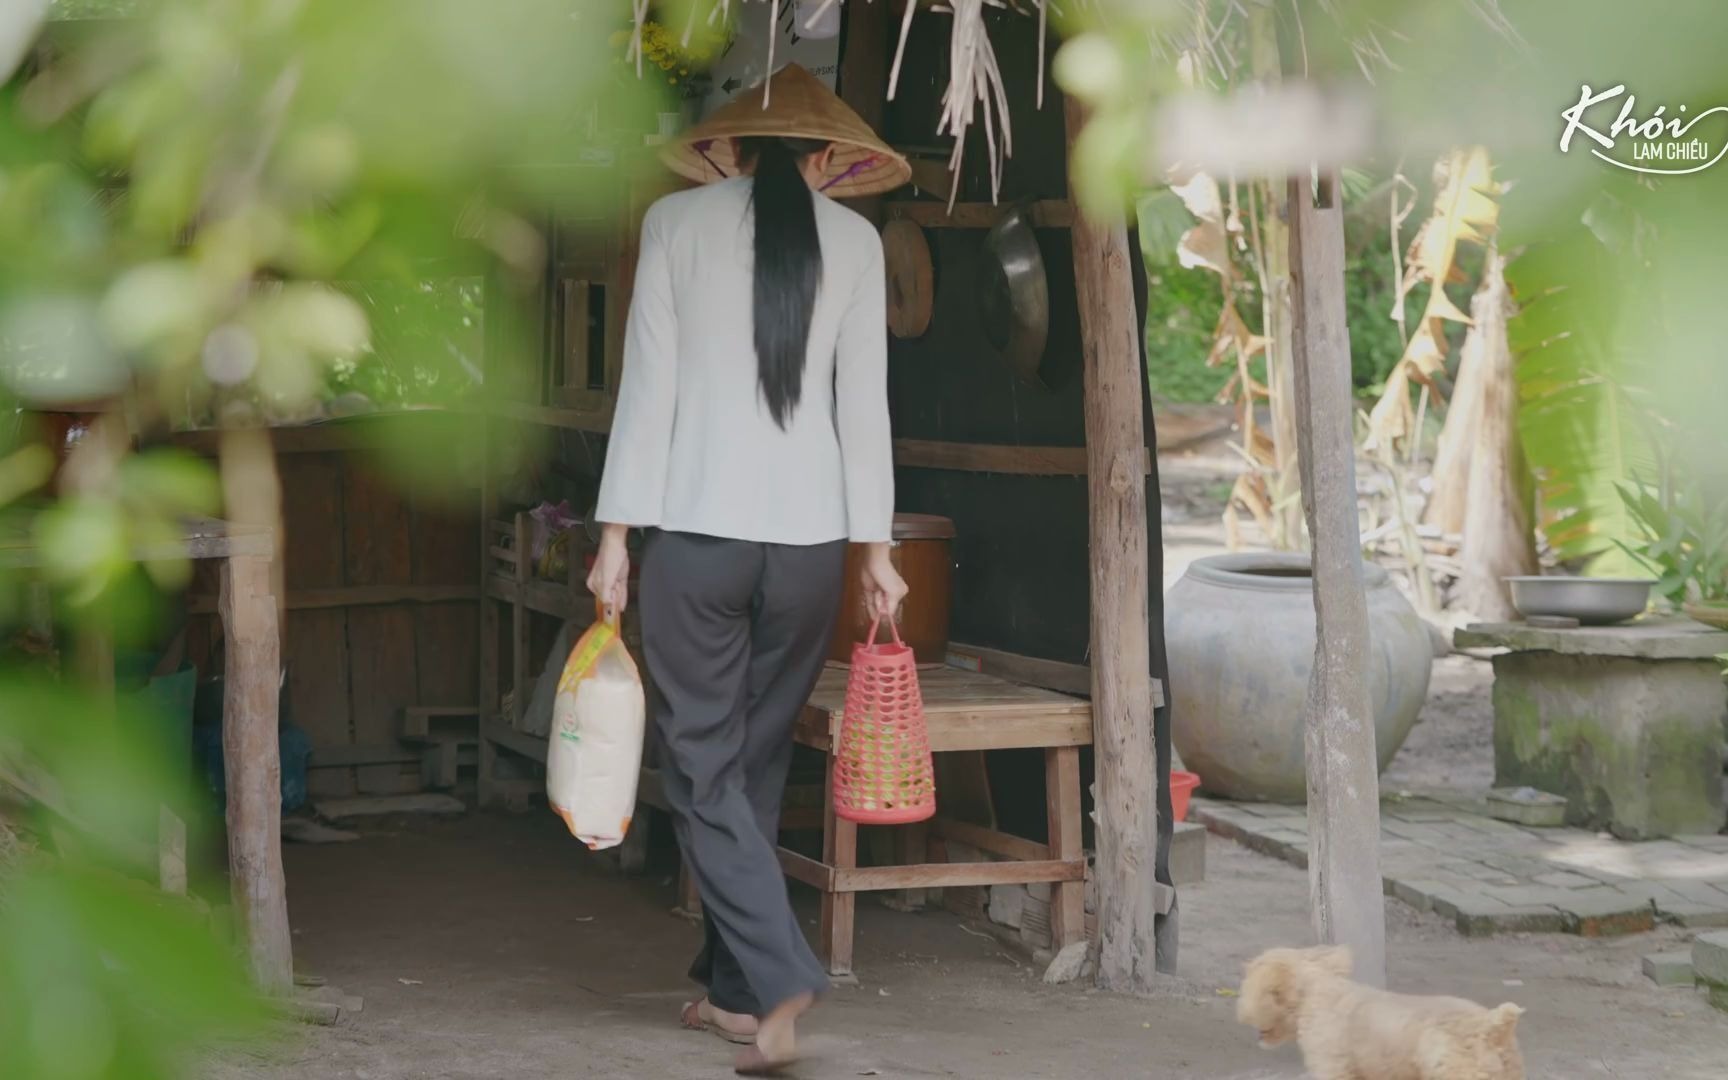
column 595, row 422
column 545, row 597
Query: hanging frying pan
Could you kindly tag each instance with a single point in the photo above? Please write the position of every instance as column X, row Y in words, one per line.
column 1014, row 295
column 911, row 278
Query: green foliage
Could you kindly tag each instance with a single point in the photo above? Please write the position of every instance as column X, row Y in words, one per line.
column 427, row 342
column 102, row 977
column 1182, row 306
column 1581, row 422
column 216, row 205
column 1684, row 541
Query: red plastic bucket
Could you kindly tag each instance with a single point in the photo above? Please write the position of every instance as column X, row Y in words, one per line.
column 1182, row 785
column 882, row 769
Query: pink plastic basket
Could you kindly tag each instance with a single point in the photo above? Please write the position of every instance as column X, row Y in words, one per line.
column 882, row 769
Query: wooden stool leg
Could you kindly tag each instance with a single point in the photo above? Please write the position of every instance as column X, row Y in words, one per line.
column 689, row 896
column 913, row 844
column 1062, row 810
column 840, row 852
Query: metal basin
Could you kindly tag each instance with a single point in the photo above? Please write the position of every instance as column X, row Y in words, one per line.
column 1595, row 601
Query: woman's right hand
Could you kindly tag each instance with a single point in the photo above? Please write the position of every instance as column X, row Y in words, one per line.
column 609, row 581
column 884, row 588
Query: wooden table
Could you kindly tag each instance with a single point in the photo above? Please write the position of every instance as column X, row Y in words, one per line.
column 965, row 711
column 251, row 683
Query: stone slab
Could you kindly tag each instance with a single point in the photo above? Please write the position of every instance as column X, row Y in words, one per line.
column 1561, row 880
column 1710, row 958
column 1718, row 997
column 1606, row 911
column 1527, row 806
column 1513, row 919
column 1669, row 968
column 1645, row 639
column 1692, row 915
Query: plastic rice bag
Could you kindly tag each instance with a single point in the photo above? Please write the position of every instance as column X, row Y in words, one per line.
column 595, row 751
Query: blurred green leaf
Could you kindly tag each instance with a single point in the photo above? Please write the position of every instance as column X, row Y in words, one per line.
column 170, row 482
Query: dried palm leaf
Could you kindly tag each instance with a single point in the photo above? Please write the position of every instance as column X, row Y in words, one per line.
column 1465, row 211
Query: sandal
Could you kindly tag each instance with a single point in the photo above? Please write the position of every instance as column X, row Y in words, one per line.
column 693, row 1020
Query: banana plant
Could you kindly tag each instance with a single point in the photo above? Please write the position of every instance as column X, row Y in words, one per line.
column 1583, row 420
column 1685, row 536
column 1465, row 211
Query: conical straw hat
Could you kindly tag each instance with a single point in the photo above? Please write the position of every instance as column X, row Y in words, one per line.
column 799, row 106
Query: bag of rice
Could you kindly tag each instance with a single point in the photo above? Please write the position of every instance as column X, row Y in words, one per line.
column 595, row 753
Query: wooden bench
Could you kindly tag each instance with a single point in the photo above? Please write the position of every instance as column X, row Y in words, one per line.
column 966, row 712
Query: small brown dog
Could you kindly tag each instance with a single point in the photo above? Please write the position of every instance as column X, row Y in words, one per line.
column 1348, row 1031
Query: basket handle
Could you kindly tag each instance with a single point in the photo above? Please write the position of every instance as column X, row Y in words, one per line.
column 893, row 628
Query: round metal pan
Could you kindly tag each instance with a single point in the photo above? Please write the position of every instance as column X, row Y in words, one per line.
column 1014, row 295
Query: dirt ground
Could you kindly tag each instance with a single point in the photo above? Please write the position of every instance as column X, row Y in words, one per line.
column 491, row 946
column 1451, row 748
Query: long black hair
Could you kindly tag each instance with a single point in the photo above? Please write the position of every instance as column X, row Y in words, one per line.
column 788, row 265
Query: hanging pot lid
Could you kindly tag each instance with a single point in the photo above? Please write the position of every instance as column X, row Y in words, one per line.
column 1014, row 295
column 911, row 278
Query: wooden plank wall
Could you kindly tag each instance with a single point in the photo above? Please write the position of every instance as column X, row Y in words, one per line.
column 352, row 668
column 1021, row 580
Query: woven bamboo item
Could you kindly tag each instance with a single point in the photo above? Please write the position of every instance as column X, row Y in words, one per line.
column 883, row 774
column 794, row 103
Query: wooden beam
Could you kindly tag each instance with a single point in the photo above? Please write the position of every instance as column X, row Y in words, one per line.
column 1127, row 765
column 1058, row 675
column 1045, row 214
column 300, row 439
column 864, row 59
column 809, row 871
column 593, row 421
column 993, row 841
column 347, row 757
column 1012, row 460
column 1343, row 778
column 346, row 596
column 253, row 770
column 955, row 875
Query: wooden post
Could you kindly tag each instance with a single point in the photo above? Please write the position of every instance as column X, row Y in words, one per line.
column 520, row 627
column 484, row 794
column 864, row 77
column 253, row 768
column 1343, row 779
column 839, row 909
column 1121, row 647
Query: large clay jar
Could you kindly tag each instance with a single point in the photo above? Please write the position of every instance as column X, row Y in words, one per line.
column 1240, row 633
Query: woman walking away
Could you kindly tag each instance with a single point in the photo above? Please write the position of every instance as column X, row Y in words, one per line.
column 751, row 440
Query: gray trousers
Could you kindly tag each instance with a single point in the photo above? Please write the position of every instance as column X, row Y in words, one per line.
column 735, row 634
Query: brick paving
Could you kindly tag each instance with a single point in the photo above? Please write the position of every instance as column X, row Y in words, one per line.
column 1491, row 876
